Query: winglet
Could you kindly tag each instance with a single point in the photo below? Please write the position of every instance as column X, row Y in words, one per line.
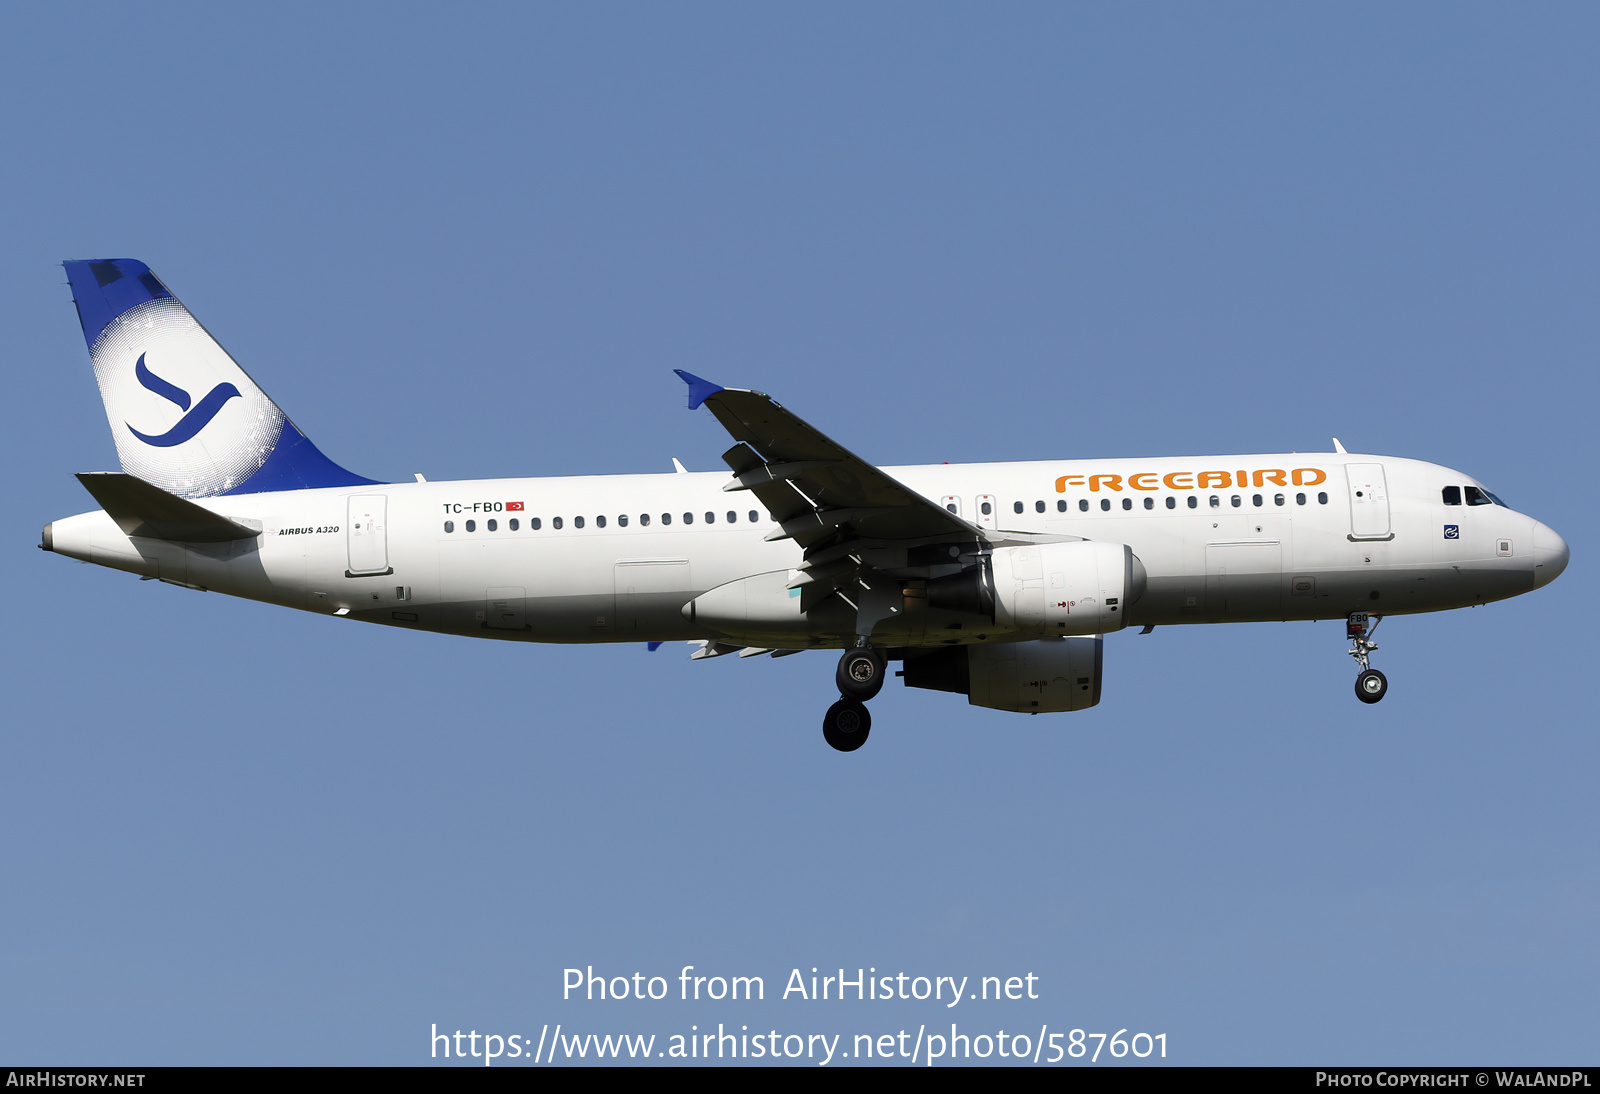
column 699, row 390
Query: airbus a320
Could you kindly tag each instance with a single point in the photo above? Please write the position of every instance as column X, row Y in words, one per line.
column 996, row 581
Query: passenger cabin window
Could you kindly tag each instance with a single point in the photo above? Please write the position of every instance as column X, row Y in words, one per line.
column 622, row 520
column 753, row 516
column 1016, row 507
column 1061, row 506
column 986, row 508
column 1038, row 507
column 1172, row 502
column 555, row 522
column 599, row 522
column 534, row 522
column 688, row 518
column 1083, row 505
column 1216, row 502
column 666, row 518
column 1452, row 495
column 1105, row 505
column 732, row 516
column 1299, row 499
column 1194, row 502
column 494, row 525
column 1255, row 499
column 577, row 522
column 1277, row 499
column 1149, row 503
column 449, row 526
column 472, row 526
column 1127, row 503
column 1322, row 497
column 515, row 524
column 1236, row 501
column 644, row 520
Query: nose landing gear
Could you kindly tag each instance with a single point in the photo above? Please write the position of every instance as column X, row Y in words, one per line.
column 1371, row 685
column 859, row 677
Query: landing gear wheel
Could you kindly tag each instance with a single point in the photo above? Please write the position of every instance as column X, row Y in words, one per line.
column 1371, row 686
column 861, row 673
column 846, row 725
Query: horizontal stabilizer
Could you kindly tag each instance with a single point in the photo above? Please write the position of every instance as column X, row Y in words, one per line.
column 144, row 510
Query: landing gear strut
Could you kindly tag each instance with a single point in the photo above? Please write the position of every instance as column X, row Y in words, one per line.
column 860, row 677
column 1370, row 684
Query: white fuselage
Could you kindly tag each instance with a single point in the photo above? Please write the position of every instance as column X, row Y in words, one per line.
column 616, row 558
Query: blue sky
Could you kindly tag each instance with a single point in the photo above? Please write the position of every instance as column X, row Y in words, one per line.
column 474, row 241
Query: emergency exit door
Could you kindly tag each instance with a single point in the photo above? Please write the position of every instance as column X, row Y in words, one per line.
column 988, row 508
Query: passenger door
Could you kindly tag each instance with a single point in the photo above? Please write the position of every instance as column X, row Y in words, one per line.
column 1369, row 501
column 367, row 535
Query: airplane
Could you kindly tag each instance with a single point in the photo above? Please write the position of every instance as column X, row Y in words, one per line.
column 996, row 581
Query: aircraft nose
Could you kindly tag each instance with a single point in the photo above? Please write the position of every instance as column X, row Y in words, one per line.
column 1549, row 555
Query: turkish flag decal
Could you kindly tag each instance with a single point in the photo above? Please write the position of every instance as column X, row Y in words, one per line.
column 513, row 507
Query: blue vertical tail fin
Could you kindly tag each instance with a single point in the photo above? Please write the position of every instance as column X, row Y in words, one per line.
column 184, row 415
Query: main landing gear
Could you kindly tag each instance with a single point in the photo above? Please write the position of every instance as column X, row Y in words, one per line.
column 860, row 677
column 1370, row 684
column 846, row 725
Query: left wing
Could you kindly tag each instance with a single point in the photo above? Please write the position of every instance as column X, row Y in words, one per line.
column 856, row 525
column 814, row 487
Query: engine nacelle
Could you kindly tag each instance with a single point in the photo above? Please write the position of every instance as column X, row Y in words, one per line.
column 1066, row 588
column 1046, row 675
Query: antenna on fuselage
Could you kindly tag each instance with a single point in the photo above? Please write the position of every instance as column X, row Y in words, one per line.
column 1339, row 448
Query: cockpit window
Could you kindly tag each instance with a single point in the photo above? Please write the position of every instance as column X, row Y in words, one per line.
column 1478, row 497
column 1496, row 499
column 1452, row 495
